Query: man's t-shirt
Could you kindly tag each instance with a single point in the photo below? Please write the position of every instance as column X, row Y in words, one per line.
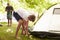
column 9, row 8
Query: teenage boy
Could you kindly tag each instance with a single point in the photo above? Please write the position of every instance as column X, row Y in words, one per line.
column 23, row 17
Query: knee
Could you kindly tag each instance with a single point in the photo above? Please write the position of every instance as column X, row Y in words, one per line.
column 20, row 21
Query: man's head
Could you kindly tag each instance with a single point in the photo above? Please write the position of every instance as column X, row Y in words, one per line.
column 31, row 18
column 8, row 4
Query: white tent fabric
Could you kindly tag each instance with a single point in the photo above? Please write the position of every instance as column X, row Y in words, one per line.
column 48, row 21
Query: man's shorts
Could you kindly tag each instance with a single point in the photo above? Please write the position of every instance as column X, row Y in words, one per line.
column 17, row 17
column 9, row 15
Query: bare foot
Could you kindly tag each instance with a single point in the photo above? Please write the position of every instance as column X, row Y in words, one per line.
column 18, row 38
column 23, row 33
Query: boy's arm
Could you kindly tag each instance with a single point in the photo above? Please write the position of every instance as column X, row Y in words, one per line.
column 26, row 23
column 26, row 28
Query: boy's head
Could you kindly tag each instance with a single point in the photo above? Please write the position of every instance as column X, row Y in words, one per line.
column 31, row 18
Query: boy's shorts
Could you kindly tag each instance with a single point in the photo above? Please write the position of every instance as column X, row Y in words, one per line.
column 17, row 17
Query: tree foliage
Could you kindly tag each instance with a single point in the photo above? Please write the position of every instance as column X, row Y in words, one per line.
column 36, row 5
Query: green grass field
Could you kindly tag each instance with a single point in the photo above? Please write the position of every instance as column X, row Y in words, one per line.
column 8, row 33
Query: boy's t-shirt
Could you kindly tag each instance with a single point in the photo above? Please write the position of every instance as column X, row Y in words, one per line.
column 23, row 13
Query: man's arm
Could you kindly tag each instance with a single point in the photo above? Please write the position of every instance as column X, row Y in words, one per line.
column 6, row 9
column 12, row 8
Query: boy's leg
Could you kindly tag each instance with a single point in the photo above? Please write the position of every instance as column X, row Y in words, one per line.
column 26, row 27
column 20, row 21
column 23, row 28
column 18, row 27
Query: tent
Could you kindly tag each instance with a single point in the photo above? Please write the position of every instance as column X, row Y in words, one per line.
column 49, row 23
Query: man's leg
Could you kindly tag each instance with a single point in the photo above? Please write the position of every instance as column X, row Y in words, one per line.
column 8, row 22
column 18, row 27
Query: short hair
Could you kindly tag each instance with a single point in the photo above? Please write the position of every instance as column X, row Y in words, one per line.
column 7, row 3
column 32, row 18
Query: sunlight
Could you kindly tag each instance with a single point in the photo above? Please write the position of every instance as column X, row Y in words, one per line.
column 15, row 1
column 9, row 30
column 51, row 0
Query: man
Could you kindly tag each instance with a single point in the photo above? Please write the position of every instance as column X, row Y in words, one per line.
column 23, row 17
column 9, row 10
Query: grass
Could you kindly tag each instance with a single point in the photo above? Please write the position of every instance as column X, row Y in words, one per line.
column 10, row 35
